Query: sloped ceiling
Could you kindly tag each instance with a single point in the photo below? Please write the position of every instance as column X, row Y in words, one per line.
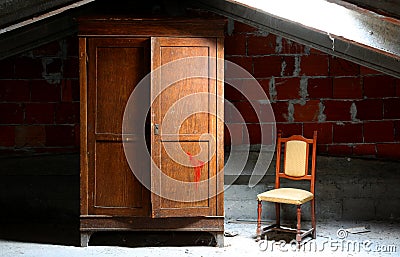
column 12, row 11
column 25, row 24
column 335, row 27
column 386, row 7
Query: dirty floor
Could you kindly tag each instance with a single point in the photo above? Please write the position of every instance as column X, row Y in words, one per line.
column 333, row 239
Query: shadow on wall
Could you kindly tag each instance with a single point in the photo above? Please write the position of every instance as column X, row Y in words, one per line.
column 39, row 197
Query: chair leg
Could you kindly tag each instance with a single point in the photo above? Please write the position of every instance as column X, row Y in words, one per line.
column 313, row 221
column 258, row 232
column 278, row 214
column 298, row 234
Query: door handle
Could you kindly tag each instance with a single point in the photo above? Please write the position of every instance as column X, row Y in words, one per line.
column 156, row 129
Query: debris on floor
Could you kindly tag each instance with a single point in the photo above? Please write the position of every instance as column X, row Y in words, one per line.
column 247, row 221
column 358, row 230
column 230, row 233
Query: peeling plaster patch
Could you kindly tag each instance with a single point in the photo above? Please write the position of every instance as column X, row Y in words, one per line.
column 51, row 78
column 278, row 47
column 63, row 49
column 272, row 90
column 285, row 116
column 300, row 101
column 321, row 115
column 353, row 113
column 28, row 54
column 290, row 117
column 283, row 67
column 230, row 26
column 333, row 41
column 303, row 88
column 265, row 101
column 297, row 68
column 307, row 50
column 262, row 33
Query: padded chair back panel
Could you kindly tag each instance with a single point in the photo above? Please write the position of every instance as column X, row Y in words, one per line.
column 295, row 158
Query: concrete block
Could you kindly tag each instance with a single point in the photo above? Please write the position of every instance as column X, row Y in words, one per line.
column 329, row 209
column 358, row 209
column 244, row 192
column 387, row 209
column 241, row 210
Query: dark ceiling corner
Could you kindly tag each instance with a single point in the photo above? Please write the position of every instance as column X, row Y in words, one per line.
column 26, row 24
column 384, row 7
column 13, row 11
column 370, row 40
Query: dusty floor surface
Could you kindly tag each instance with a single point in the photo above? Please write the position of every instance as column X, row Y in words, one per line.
column 383, row 239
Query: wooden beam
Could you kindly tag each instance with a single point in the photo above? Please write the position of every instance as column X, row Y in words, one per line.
column 41, row 29
column 44, row 16
column 32, row 36
column 389, row 7
column 374, row 41
column 17, row 10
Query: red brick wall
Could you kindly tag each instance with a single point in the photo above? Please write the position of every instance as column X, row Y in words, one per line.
column 356, row 110
column 39, row 100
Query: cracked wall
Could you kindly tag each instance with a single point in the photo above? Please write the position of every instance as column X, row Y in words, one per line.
column 39, row 100
column 355, row 109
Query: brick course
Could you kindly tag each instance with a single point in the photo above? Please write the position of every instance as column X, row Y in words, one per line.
column 320, row 87
column 347, row 133
column 379, row 131
column 39, row 113
column 261, row 45
column 14, row 91
column 391, row 108
column 341, row 67
column 288, row 129
column 347, row 88
column 355, row 109
column 379, row 86
column 370, row 109
column 337, row 110
column 306, row 112
column 34, row 96
column 325, row 131
column 314, row 65
column 364, row 150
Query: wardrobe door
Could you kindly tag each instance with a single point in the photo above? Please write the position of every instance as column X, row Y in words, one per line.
column 115, row 66
column 184, row 126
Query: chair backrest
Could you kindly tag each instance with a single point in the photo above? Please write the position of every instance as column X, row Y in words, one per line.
column 295, row 153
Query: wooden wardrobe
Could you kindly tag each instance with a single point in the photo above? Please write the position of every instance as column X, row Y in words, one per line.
column 177, row 182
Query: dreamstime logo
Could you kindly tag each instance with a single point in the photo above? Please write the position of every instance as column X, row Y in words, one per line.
column 341, row 233
column 189, row 90
column 327, row 244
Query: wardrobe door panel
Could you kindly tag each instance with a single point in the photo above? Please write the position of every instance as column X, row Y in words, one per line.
column 184, row 127
column 115, row 65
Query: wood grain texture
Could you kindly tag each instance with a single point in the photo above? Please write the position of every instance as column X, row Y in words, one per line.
column 138, row 27
column 93, row 223
column 220, row 126
column 310, row 173
column 115, row 185
column 83, row 128
column 115, row 68
column 115, row 53
column 184, row 103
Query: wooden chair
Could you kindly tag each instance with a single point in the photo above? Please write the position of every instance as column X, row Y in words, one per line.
column 295, row 153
